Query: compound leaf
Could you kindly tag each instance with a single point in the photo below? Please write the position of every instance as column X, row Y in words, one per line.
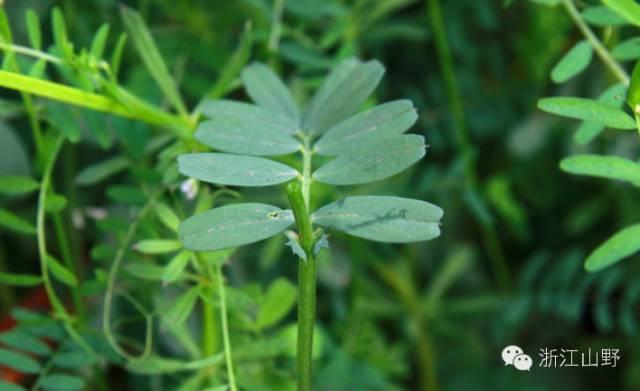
column 381, row 121
column 268, row 91
column 343, row 92
column 234, row 170
column 233, row 225
column 588, row 110
column 372, row 161
column 382, row 218
column 621, row 245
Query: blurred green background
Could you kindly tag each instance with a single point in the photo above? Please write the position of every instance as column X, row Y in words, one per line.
column 508, row 268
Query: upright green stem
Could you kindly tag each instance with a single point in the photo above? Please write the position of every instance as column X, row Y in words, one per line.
column 307, row 286
column 70, row 263
column 599, row 48
column 489, row 234
column 58, row 308
column 225, row 329
column 405, row 289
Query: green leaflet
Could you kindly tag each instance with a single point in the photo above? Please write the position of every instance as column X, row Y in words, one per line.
column 381, row 121
column 575, row 61
column 621, row 245
column 60, row 382
column 633, row 93
column 268, row 91
column 588, row 110
column 601, row 15
column 167, row 216
column 234, row 170
column 33, row 29
column 175, row 267
column 278, row 301
column 145, row 270
column 153, row 365
column 102, row 170
column 589, row 130
column 627, row 50
column 246, row 129
column 24, row 342
column 72, row 359
column 382, row 218
column 234, row 64
column 19, row 362
column 181, row 308
column 375, row 160
column 13, row 185
column 61, row 273
column 99, row 41
column 15, row 223
column 343, row 92
column 151, row 56
column 233, row 225
column 157, row 246
column 247, row 116
column 628, row 9
column 6, row 386
column 611, row 167
column 12, row 279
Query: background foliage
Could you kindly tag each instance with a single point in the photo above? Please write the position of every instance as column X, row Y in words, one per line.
column 507, row 269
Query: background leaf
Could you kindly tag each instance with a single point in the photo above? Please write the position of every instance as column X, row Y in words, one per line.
column 619, row 246
column 588, row 110
column 574, row 62
column 278, row 301
column 611, row 167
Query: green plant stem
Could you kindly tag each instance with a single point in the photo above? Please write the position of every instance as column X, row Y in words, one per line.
column 58, row 308
column 465, row 148
column 276, row 26
column 405, row 290
column 306, row 286
column 208, row 334
column 225, row 329
column 135, row 108
column 111, row 281
column 69, row 262
column 602, row 52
